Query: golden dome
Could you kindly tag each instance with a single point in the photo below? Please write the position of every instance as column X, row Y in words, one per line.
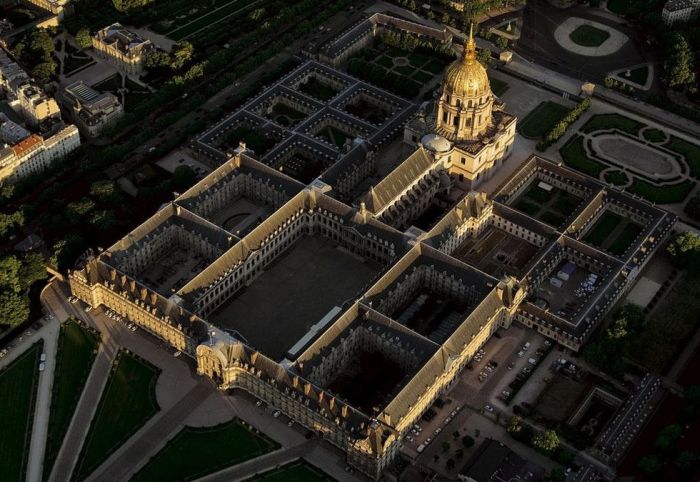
column 466, row 77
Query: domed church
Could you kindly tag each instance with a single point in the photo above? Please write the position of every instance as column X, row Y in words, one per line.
column 466, row 126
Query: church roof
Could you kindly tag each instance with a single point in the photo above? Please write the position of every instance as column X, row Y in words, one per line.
column 398, row 180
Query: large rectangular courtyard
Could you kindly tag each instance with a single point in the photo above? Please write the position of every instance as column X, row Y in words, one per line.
column 295, row 292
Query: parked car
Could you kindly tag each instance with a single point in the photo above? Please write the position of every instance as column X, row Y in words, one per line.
column 42, row 366
column 488, row 408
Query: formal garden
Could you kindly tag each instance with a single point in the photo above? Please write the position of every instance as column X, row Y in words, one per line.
column 297, row 471
column 665, row 171
column 551, row 207
column 195, row 452
column 613, row 233
column 77, row 348
column 128, row 401
column 18, row 386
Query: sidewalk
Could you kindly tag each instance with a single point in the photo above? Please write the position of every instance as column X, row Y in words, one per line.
column 40, row 427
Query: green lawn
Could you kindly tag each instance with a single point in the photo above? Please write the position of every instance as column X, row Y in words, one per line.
column 385, row 61
column 618, row 178
column 551, row 218
column 654, row 135
column 128, row 401
column 422, row 77
column 639, row 75
column 538, row 194
column 527, row 207
column 620, row 7
column 624, row 239
column 298, row 471
column 603, row 122
column 541, row 119
column 207, row 19
column 76, row 351
column 589, row 36
column 670, row 325
column 111, row 84
column 498, row 87
column 72, row 63
column 672, row 194
column 18, row 384
column 603, row 227
column 690, row 151
column 319, row 90
column 196, row 452
column 574, row 156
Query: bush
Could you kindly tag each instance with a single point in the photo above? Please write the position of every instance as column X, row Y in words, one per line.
column 468, row 441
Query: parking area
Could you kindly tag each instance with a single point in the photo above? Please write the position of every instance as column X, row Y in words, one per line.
column 480, row 388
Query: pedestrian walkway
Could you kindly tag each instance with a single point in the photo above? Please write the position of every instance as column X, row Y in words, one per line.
column 49, row 333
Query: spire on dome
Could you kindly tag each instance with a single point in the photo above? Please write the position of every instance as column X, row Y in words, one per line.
column 469, row 55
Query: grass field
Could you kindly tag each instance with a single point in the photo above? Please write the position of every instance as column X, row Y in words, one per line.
column 298, row 471
column 603, row 122
column 18, row 384
column 620, row 7
column 574, row 155
column 76, row 351
column 607, row 222
column 670, row 325
column 654, row 135
column 128, row 401
column 588, row 36
column 541, row 119
column 498, row 87
column 672, row 194
column 624, row 239
column 207, row 19
column 639, row 75
column 196, row 452
column 690, row 151
column 618, row 178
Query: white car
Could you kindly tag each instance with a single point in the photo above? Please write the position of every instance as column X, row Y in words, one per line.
column 276, row 413
column 42, row 366
column 258, row 403
column 488, row 408
column 88, row 309
column 133, row 328
column 177, row 353
column 42, row 357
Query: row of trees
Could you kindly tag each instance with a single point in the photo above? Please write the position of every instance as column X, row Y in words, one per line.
column 17, row 274
column 563, row 125
column 679, row 65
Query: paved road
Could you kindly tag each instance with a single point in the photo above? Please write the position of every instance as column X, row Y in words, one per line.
column 49, row 333
column 73, row 441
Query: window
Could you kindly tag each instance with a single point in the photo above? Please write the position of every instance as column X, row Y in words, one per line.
column 455, row 121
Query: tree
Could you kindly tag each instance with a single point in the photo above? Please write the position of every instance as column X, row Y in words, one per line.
column 667, row 437
column 546, row 442
column 468, row 441
column 515, row 425
column 483, row 56
column 686, row 461
column 33, row 269
column 105, row 191
column 127, row 5
column 685, row 249
column 14, row 308
column 445, row 447
column 556, row 475
column 67, row 250
column 181, row 54
column 10, row 274
column 450, row 464
column 679, row 66
column 83, row 38
column 649, row 465
column 9, row 222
